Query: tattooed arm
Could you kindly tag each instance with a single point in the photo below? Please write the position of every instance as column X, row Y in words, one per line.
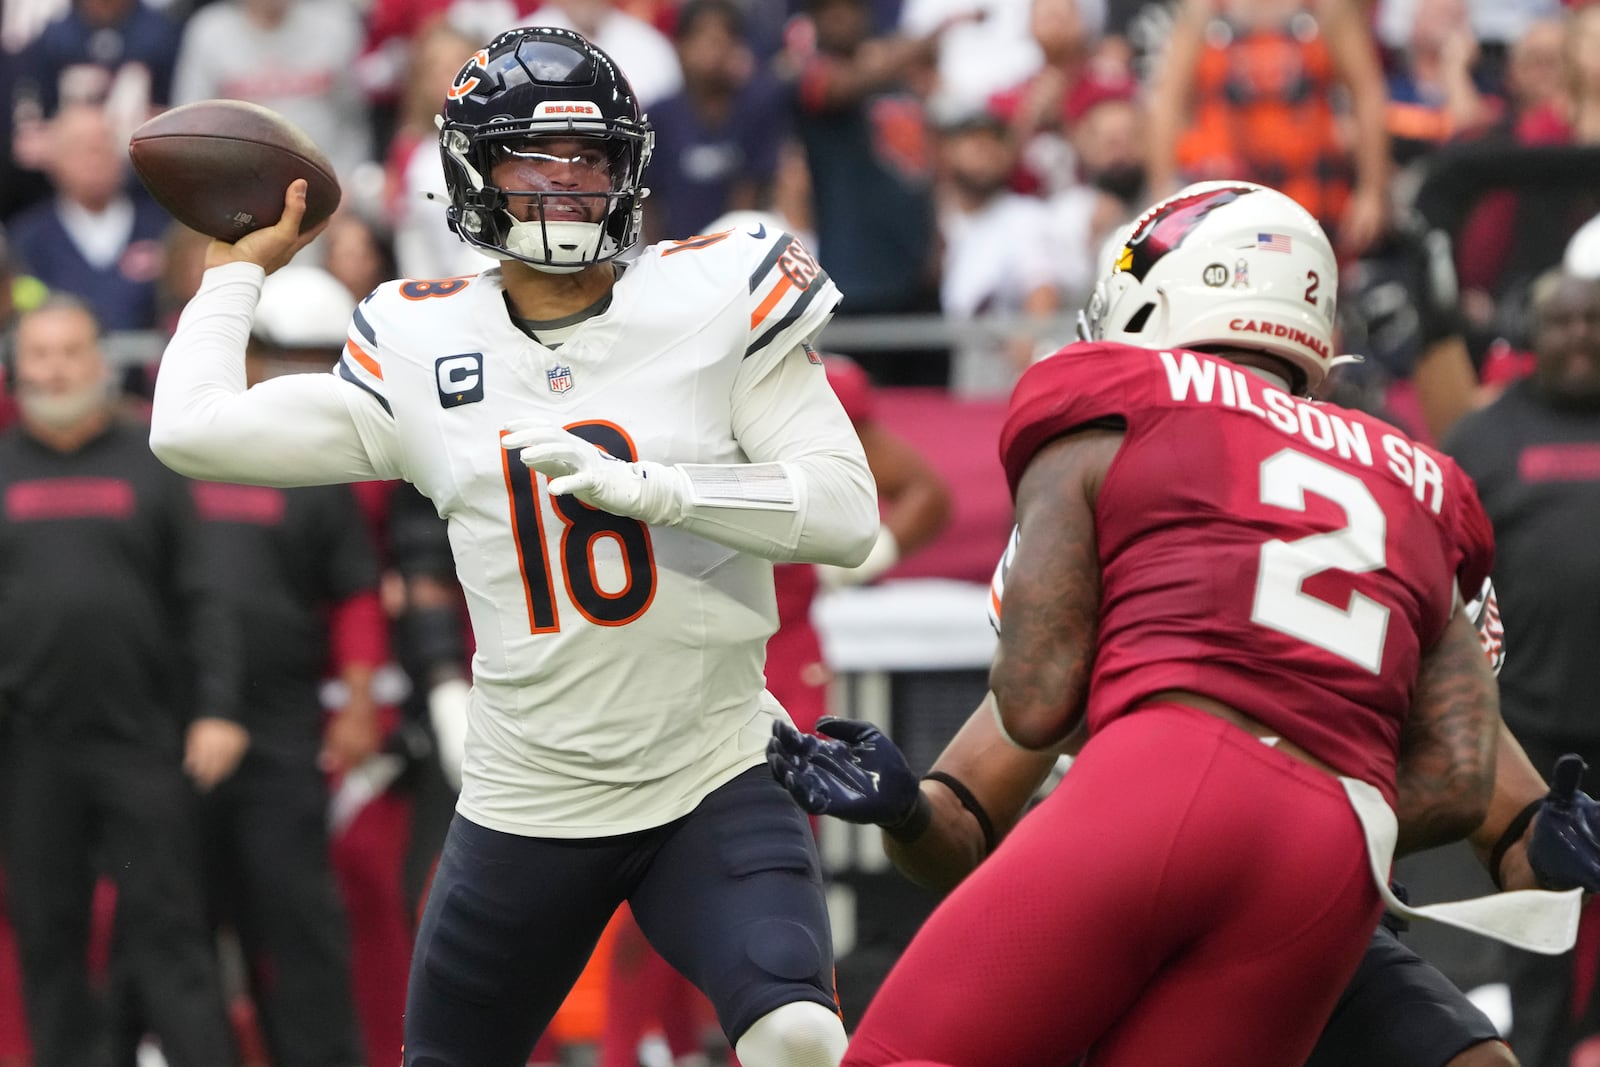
column 1052, row 596
column 1448, row 743
column 1516, row 785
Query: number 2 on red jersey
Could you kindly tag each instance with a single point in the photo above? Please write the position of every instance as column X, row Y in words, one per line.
column 1355, row 632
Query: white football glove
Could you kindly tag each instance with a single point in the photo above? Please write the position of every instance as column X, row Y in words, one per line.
column 447, row 713
column 654, row 493
column 884, row 555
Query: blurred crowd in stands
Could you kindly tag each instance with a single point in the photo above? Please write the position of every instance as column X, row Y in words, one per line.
column 954, row 158
column 956, row 165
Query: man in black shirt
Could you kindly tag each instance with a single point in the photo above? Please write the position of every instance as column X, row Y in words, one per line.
column 1535, row 455
column 118, row 671
column 432, row 646
column 303, row 578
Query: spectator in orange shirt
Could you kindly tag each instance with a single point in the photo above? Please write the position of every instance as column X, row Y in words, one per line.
column 1245, row 91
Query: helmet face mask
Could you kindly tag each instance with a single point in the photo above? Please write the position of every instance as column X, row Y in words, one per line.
column 558, row 108
column 1222, row 265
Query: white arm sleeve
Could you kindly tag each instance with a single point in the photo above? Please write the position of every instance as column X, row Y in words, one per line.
column 298, row 429
column 812, row 497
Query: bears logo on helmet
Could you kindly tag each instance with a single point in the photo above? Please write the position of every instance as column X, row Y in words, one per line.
column 468, row 80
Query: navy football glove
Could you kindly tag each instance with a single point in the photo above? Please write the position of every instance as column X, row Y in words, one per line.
column 1405, row 296
column 853, row 772
column 1564, row 850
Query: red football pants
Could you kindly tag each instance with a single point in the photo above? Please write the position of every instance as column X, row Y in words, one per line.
column 797, row 675
column 644, row 994
column 1186, row 896
column 14, row 1046
column 367, row 859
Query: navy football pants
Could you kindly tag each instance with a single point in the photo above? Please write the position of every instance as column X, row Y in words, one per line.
column 731, row 894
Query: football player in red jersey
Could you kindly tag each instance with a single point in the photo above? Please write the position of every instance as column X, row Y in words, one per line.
column 1206, row 563
column 1397, row 1010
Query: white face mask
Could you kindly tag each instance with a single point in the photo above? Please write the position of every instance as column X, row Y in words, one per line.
column 63, row 411
column 573, row 245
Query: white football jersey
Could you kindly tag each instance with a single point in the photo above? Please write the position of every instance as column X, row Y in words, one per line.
column 997, row 584
column 618, row 673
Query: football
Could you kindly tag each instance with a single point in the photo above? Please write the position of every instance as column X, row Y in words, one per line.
column 221, row 167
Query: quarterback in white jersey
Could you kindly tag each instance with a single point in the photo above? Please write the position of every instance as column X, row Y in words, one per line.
column 563, row 710
column 619, row 451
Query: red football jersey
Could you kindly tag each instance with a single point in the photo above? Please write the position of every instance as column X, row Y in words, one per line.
column 1288, row 558
column 851, row 385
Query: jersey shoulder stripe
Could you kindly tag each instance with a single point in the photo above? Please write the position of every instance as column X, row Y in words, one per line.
column 694, row 244
column 364, row 359
column 791, row 317
column 370, row 381
column 363, row 327
column 791, row 296
column 359, row 362
column 764, row 269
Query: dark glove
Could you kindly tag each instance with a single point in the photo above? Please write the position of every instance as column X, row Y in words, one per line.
column 1404, row 296
column 1564, row 849
column 853, row 772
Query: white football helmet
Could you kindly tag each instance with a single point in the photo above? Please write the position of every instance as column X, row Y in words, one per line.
column 1582, row 257
column 303, row 307
column 1222, row 264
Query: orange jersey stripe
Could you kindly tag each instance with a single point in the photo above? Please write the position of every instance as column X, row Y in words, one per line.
column 760, row 313
column 361, row 357
column 688, row 244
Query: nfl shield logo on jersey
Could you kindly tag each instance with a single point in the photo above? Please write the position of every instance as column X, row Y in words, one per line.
column 560, row 378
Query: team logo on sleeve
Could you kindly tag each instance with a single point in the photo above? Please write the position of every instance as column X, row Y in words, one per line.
column 460, row 379
column 560, row 378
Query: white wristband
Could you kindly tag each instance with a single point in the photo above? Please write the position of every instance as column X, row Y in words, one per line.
column 758, row 486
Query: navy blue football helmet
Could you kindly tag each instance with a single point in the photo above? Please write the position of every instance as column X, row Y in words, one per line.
column 542, row 82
